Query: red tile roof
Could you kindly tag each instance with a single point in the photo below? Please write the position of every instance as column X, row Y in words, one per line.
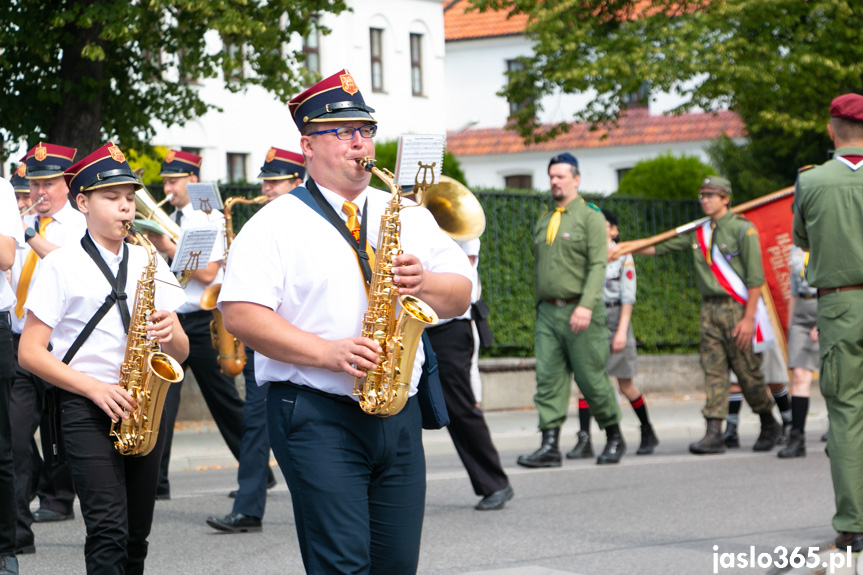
column 635, row 129
column 462, row 25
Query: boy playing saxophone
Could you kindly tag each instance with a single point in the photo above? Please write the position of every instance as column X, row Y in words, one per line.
column 85, row 316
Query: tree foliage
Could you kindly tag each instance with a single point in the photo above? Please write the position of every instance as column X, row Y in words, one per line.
column 665, row 176
column 778, row 64
column 77, row 72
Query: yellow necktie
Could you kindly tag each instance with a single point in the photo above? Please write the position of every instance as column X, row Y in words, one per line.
column 553, row 225
column 353, row 224
column 27, row 272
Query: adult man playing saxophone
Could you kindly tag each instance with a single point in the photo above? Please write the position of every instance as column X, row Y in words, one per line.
column 295, row 294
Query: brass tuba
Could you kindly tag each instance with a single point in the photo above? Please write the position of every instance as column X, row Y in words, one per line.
column 146, row 371
column 232, row 352
column 455, row 209
column 147, row 208
column 384, row 391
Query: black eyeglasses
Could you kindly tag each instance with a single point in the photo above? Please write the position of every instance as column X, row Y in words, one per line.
column 347, row 133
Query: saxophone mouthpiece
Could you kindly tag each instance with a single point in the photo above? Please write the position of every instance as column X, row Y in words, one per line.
column 367, row 163
column 131, row 230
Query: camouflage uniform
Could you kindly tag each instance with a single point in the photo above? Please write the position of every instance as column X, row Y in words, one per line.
column 738, row 242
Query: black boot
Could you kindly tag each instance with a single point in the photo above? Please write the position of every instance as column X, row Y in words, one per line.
column 649, row 441
column 770, row 430
column 548, row 454
column 712, row 442
column 615, row 446
column 583, row 447
column 783, row 436
column 796, row 445
column 730, row 437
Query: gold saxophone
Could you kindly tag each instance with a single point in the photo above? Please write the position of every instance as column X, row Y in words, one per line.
column 384, row 390
column 146, row 371
column 232, row 352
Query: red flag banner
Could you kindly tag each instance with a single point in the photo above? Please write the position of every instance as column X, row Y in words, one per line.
column 773, row 220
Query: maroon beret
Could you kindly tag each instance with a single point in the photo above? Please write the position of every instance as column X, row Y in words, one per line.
column 849, row 106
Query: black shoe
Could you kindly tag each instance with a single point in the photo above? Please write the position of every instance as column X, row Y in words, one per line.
column 496, row 500
column 730, row 437
column 786, row 431
column 796, row 446
column 49, row 516
column 8, row 565
column 26, row 550
column 270, row 485
column 583, row 447
column 235, row 523
column 614, row 450
column 163, row 496
column 852, row 540
column 548, row 454
column 712, row 442
column 649, row 441
column 770, row 430
column 825, row 436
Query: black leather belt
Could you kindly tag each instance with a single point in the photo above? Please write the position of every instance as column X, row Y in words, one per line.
column 807, row 295
column 560, row 302
column 825, row 291
column 716, row 298
column 612, row 303
column 333, row 396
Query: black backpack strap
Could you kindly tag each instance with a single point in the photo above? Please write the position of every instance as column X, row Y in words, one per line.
column 312, row 197
column 118, row 297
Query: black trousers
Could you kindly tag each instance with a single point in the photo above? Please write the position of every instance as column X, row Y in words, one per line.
column 27, row 408
column 357, row 481
column 219, row 391
column 117, row 492
column 7, row 472
column 254, row 471
column 453, row 345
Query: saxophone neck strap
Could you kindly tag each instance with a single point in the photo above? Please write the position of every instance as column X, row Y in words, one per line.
column 115, row 297
column 312, row 197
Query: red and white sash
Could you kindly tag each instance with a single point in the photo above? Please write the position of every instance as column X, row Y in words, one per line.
column 764, row 337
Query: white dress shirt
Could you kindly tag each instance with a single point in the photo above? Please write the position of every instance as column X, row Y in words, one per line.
column 72, row 289
column 69, row 226
column 10, row 225
column 292, row 260
column 193, row 218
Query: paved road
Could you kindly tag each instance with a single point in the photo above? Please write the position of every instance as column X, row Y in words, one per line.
column 659, row 514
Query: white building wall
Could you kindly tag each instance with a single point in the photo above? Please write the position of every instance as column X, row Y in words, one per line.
column 598, row 165
column 251, row 122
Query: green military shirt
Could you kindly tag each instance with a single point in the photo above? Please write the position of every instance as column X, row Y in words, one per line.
column 738, row 241
column 827, row 220
column 574, row 264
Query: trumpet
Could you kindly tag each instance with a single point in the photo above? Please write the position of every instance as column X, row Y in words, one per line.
column 25, row 211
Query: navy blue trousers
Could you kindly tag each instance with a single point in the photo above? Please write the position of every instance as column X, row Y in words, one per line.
column 357, row 481
column 7, row 474
column 254, row 471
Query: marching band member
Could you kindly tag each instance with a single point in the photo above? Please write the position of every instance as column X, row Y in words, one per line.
column 282, row 172
column 117, row 492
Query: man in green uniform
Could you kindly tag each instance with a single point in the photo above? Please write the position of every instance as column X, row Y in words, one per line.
column 570, row 255
column 827, row 222
column 727, row 253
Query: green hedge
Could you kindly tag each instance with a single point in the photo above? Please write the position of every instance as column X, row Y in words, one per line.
column 665, row 318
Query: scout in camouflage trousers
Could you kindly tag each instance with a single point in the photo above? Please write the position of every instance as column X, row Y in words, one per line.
column 827, row 221
column 726, row 327
column 570, row 253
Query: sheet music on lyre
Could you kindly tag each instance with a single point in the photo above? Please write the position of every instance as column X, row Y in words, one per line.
column 194, row 249
column 205, row 196
column 416, row 149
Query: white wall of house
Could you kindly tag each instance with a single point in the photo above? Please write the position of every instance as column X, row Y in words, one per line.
column 251, row 122
column 598, row 166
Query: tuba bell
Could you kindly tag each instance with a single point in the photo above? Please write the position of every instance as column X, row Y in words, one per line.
column 455, row 209
column 146, row 208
